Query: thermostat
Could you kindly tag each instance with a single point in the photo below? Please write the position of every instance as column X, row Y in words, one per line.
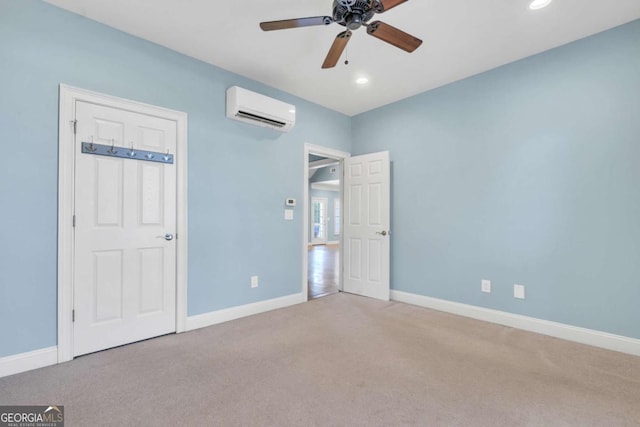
column 290, row 202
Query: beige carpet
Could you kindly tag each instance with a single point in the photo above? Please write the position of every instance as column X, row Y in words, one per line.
column 342, row 360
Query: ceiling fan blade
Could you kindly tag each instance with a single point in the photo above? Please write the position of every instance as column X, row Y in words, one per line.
column 394, row 36
column 384, row 5
column 336, row 49
column 295, row 23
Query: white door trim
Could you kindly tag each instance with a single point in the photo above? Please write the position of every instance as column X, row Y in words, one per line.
column 325, row 152
column 68, row 97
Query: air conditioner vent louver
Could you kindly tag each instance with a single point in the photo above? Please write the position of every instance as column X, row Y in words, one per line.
column 256, row 109
column 247, row 115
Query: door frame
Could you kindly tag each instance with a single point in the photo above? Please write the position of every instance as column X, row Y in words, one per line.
column 341, row 156
column 69, row 95
column 326, row 227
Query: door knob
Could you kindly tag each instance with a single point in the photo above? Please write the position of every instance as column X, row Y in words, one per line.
column 168, row 236
column 382, row 233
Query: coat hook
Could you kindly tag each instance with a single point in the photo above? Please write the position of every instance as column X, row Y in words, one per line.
column 131, row 153
column 166, row 157
column 112, row 150
column 91, row 148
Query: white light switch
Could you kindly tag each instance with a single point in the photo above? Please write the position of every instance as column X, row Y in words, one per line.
column 518, row 291
column 288, row 214
column 486, row 286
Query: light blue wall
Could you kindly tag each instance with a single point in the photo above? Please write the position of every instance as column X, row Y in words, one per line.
column 239, row 175
column 526, row 174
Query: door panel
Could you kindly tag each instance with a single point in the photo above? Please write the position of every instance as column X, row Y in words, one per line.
column 375, row 210
column 355, row 205
column 375, row 249
column 124, row 278
column 354, row 250
column 366, row 225
column 107, row 284
column 150, row 193
column 108, row 193
column 151, row 280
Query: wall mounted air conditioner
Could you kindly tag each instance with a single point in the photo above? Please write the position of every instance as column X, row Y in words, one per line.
column 260, row 110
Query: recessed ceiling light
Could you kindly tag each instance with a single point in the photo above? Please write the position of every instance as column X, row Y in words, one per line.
column 362, row 80
column 539, row 4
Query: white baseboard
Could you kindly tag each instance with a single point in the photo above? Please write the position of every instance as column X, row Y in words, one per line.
column 558, row 330
column 220, row 316
column 333, row 242
column 22, row 362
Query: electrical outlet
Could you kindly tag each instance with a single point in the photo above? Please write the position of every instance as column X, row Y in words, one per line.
column 486, row 286
column 254, row 281
column 518, row 291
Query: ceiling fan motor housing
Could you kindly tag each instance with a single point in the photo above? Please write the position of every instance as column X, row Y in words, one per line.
column 353, row 13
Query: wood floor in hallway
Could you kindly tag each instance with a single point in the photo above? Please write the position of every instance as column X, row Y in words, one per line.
column 324, row 270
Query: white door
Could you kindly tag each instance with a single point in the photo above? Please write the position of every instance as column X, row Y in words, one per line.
column 124, row 264
column 366, row 225
column 319, row 221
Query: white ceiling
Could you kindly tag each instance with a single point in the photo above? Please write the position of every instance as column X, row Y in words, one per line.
column 461, row 38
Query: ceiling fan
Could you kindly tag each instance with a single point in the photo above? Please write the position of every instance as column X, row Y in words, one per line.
column 353, row 14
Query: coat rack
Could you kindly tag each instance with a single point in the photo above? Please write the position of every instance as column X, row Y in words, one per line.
column 126, row 153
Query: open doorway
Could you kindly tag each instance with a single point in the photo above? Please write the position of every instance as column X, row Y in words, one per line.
column 325, row 222
column 323, row 200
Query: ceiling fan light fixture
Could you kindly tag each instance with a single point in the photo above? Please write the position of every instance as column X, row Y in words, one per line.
column 539, row 4
column 354, row 21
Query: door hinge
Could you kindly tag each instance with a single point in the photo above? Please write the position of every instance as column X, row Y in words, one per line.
column 75, row 127
column 74, row 220
column 73, row 315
